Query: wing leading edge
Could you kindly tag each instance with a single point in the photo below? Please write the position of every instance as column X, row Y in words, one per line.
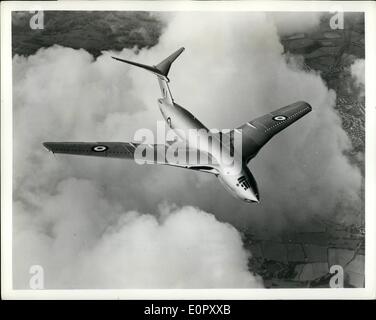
column 98, row 149
column 141, row 153
column 256, row 133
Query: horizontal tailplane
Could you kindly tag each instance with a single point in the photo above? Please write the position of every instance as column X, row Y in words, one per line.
column 161, row 69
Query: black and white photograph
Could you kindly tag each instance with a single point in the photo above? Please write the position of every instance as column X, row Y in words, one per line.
column 188, row 145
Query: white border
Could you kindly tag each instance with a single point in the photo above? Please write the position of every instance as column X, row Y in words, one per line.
column 7, row 291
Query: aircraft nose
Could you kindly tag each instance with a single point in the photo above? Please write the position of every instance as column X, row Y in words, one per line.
column 253, row 197
column 253, row 193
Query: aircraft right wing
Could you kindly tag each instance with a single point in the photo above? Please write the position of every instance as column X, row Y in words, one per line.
column 148, row 153
column 260, row 130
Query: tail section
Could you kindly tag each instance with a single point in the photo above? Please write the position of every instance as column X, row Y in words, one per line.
column 165, row 65
column 161, row 69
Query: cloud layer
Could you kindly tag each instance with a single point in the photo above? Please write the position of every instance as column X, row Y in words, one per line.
column 91, row 243
column 76, row 214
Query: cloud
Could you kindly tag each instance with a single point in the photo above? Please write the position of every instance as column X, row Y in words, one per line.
column 239, row 73
column 92, row 243
column 288, row 23
column 70, row 213
column 357, row 72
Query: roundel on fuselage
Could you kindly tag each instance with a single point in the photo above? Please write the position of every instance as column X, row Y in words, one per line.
column 279, row 118
column 99, row 148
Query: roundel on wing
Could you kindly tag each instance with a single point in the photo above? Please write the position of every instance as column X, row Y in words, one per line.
column 279, row 118
column 99, row 148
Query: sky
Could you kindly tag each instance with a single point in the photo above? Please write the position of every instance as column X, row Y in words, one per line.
column 109, row 223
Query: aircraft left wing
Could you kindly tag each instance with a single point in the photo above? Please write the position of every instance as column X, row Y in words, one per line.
column 260, row 130
column 150, row 153
column 98, row 149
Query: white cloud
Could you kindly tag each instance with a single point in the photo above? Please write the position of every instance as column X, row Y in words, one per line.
column 358, row 73
column 91, row 243
column 240, row 73
column 72, row 212
column 288, row 23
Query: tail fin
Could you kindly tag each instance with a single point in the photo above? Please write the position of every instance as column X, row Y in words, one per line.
column 161, row 69
column 165, row 65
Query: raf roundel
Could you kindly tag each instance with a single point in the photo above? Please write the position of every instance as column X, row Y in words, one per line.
column 279, row 118
column 99, row 148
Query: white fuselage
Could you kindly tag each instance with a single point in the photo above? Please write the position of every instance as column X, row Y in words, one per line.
column 232, row 171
